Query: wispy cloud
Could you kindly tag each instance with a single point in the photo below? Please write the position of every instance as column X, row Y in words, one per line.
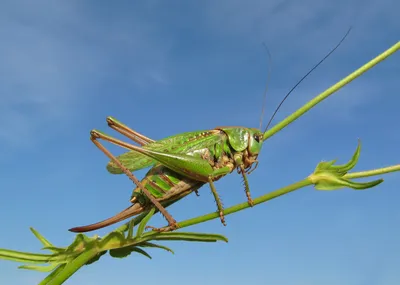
column 55, row 55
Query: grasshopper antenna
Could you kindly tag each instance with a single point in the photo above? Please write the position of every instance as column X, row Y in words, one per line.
column 304, row 77
column 267, row 83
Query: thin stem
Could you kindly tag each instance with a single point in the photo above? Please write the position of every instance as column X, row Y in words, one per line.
column 51, row 275
column 280, row 192
column 294, row 116
column 242, row 206
column 73, row 266
column 373, row 172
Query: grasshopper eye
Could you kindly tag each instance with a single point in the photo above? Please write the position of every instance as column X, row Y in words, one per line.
column 257, row 138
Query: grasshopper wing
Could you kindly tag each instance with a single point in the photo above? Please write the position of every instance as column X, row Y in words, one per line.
column 182, row 143
column 132, row 160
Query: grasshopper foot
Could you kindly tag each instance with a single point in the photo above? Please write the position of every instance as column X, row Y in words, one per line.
column 222, row 218
column 169, row 228
column 249, row 199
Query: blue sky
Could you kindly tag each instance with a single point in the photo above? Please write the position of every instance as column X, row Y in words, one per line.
column 165, row 68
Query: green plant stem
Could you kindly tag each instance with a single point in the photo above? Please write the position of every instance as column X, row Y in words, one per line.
column 51, row 275
column 73, row 266
column 285, row 190
column 297, row 114
column 373, row 172
column 242, row 206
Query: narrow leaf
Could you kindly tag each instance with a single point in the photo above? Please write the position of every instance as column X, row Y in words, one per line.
column 20, row 256
column 121, row 252
column 112, row 238
column 344, row 168
column 81, row 242
column 96, row 258
column 47, row 268
column 41, row 238
column 150, row 244
column 324, row 165
column 188, row 236
column 141, row 251
column 55, row 249
column 144, row 222
column 365, row 185
column 130, row 230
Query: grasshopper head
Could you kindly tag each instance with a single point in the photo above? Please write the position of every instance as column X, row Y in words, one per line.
column 255, row 141
column 241, row 139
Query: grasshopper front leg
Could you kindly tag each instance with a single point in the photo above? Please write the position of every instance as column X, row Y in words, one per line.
column 238, row 157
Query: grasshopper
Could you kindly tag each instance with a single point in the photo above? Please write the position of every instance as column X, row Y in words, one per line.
column 183, row 163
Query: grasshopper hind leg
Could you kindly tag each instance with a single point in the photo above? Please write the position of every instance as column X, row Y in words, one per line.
column 163, row 229
column 171, row 221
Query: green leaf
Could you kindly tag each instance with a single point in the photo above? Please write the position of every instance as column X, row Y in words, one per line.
column 344, row 168
column 324, row 165
column 130, row 229
column 331, row 182
column 126, row 251
column 55, row 249
column 365, row 185
column 141, row 251
column 39, row 268
column 121, row 252
column 81, row 243
column 20, row 256
column 112, row 238
column 150, row 244
column 188, row 236
column 144, row 222
column 96, row 258
column 41, row 238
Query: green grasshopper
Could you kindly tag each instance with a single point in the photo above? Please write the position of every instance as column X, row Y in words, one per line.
column 182, row 163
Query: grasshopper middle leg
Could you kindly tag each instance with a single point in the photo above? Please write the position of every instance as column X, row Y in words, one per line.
column 218, row 201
